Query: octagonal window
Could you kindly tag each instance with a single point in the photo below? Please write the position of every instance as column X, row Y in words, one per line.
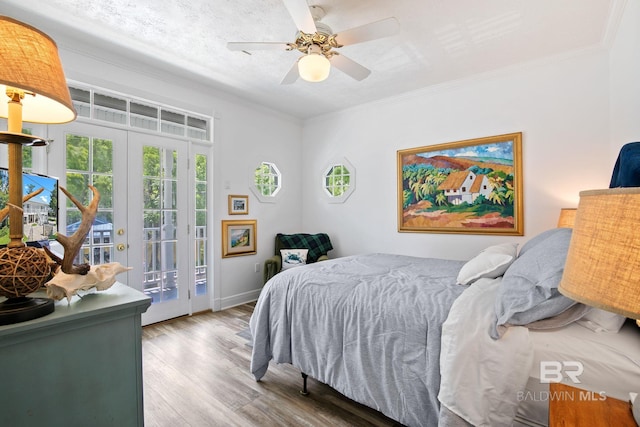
column 339, row 180
column 267, row 181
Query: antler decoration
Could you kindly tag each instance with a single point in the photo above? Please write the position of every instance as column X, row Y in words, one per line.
column 69, row 279
column 73, row 243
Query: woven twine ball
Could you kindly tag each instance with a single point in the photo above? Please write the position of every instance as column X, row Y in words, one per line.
column 22, row 271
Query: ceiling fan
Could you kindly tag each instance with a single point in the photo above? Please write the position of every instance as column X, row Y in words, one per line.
column 317, row 42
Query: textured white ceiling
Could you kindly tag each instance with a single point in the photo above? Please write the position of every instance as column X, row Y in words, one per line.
column 439, row 40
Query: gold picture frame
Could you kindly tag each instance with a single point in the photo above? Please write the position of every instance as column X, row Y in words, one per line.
column 472, row 187
column 238, row 204
column 239, row 237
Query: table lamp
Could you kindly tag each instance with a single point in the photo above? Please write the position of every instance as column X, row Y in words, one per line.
column 567, row 217
column 31, row 76
column 603, row 262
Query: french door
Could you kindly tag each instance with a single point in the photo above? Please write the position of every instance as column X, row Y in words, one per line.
column 143, row 219
column 159, row 223
column 82, row 155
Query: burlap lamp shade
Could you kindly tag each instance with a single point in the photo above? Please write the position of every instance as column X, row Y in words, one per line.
column 567, row 217
column 603, row 263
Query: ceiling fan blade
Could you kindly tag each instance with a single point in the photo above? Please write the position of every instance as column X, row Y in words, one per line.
column 375, row 30
column 291, row 76
column 349, row 67
column 299, row 11
column 258, row 46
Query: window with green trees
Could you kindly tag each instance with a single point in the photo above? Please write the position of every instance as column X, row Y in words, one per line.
column 90, row 162
column 267, row 179
column 201, row 224
column 339, row 180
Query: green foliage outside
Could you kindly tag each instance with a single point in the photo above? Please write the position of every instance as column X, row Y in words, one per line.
column 266, row 179
column 159, row 168
column 337, row 181
column 201, row 181
column 89, row 161
column 201, row 206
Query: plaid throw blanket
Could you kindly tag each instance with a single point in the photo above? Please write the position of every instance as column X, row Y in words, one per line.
column 318, row 244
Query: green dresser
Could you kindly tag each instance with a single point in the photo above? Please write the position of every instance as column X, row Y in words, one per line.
column 78, row 366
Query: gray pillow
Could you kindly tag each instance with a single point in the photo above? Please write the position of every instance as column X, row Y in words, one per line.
column 531, row 243
column 529, row 289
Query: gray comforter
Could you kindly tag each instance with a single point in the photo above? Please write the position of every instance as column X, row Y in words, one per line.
column 367, row 325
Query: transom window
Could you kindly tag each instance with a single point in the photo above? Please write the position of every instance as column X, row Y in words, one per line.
column 137, row 113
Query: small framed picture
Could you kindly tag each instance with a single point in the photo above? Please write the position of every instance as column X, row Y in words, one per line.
column 238, row 237
column 238, row 205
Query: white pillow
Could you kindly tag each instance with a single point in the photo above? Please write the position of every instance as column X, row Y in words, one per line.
column 602, row 321
column 491, row 262
column 293, row 257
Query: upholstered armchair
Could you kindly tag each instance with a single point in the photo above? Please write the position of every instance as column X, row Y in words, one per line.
column 317, row 244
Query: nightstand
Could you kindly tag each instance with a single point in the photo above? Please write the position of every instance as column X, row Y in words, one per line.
column 570, row 406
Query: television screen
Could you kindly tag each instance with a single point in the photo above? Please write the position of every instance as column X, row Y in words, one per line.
column 40, row 216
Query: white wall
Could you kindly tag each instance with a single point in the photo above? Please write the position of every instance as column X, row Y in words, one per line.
column 625, row 79
column 561, row 106
column 244, row 138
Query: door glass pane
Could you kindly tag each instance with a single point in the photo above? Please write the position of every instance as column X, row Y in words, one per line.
column 104, row 184
column 169, row 199
column 169, row 229
column 201, row 277
column 77, row 152
column 89, row 162
column 102, row 156
column 160, row 223
column 27, row 158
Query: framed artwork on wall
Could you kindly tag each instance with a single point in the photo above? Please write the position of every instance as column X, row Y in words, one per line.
column 238, row 237
column 472, row 187
column 238, row 205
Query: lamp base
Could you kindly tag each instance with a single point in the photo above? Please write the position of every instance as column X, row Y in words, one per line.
column 22, row 138
column 21, row 309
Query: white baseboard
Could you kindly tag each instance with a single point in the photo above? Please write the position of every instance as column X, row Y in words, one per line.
column 234, row 300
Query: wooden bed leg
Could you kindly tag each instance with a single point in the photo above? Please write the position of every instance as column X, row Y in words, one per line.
column 304, row 390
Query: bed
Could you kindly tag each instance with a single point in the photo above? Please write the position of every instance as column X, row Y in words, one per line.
column 419, row 339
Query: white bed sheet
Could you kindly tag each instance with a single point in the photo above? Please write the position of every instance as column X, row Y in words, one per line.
column 473, row 364
column 611, row 365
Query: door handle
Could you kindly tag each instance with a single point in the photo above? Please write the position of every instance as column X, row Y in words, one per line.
column 120, row 246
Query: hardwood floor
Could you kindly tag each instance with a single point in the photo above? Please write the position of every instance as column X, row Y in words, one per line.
column 196, row 373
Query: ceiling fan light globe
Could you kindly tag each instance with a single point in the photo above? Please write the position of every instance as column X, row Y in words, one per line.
column 314, row 67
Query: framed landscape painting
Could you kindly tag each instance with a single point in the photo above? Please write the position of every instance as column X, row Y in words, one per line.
column 472, row 186
column 238, row 237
